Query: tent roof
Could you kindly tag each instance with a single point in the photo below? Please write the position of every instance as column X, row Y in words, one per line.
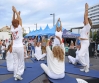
column 44, row 31
column 68, row 34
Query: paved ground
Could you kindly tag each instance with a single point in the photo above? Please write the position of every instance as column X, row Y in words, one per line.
column 94, row 62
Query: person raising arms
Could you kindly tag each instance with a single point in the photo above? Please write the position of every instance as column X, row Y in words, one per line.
column 17, row 47
column 84, row 39
column 58, row 33
column 18, row 16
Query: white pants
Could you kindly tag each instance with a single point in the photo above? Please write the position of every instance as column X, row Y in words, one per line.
column 9, row 61
column 84, row 53
column 10, row 65
column 73, row 60
column 39, row 57
column 32, row 53
column 50, row 73
column 18, row 55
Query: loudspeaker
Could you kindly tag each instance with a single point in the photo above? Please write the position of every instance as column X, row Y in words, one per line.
column 91, row 49
column 97, row 37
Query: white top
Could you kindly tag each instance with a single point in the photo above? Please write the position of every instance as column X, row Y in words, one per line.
column 9, row 61
column 38, row 50
column 17, row 36
column 53, row 63
column 7, row 44
column 85, row 31
column 59, row 34
column 77, row 57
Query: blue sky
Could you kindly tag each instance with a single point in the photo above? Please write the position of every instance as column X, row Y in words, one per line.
column 71, row 12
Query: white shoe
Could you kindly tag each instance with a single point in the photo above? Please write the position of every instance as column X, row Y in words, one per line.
column 15, row 78
column 42, row 59
column 75, row 63
column 18, row 77
column 69, row 61
column 82, row 69
column 86, row 69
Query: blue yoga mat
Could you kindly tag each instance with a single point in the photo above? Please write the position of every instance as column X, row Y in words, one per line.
column 3, row 64
column 73, row 70
column 42, row 61
column 66, row 79
column 4, row 71
column 77, row 65
column 28, row 65
column 29, row 75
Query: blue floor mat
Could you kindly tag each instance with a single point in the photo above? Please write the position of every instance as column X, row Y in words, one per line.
column 4, row 71
column 66, row 79
column 29, row 75
column 78, row 65
column 3, row 64
column 28, row 65
column 73, row 70
column 42, row 61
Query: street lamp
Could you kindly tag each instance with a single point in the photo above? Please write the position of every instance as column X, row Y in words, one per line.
column 29, row 29
column 36, row 26
column 53, row 18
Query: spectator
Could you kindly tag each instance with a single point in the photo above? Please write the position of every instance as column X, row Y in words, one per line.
column 30, row 48
column 0, row 49
column 66, row 49
column 72, row 45
column 3, row 48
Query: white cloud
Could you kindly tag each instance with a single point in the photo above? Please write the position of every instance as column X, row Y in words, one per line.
column 38, row 11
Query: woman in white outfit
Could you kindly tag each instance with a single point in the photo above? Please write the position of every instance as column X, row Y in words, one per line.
column 58, row 33
column 56, row 62
column 17, row 47
column 55, row 67
column 9, row 58
column 84, row 39
column 27, row 54
column 38, row 52
column 72, row 59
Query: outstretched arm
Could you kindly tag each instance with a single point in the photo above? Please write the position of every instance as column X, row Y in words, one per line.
column 57, row 23
column 61, row 25
column 13, row 15
column 18, row 16
column 86, row 14
column 48, row 41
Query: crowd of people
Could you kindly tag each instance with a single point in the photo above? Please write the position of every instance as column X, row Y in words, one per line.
column 53, row 48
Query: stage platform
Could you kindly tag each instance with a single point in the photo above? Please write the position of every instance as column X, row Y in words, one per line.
column 40, row 79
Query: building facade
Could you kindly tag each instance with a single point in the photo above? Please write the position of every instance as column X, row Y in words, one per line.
column 93, row 13
column 7, row 29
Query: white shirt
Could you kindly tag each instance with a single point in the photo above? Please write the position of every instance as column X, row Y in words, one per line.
column 53, row 63
column 85, row 31
column 77, row 57
column 7, row 44
column 17, row 36
column 9, row 61
column 59, row 34
column 38, row 50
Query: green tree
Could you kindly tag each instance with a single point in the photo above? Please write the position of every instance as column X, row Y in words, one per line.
column 24, row 34
column 94, row 35
column 90, row 34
